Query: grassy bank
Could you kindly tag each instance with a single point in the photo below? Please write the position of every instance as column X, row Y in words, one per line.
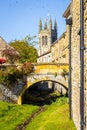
column 55, row 117
column 13, row 115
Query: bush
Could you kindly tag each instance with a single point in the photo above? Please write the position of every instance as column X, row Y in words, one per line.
column 12, row 74
column 9, row 76
column 27, row 68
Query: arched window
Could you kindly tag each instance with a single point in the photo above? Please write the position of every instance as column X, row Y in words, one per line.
column 42, row 40
column 45, row 40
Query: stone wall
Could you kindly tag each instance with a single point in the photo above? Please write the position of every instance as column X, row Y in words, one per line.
column 63, row 48
column 54, row 52
column 59, row 49
column 85, row 59
column 3, row 45
column 73, row 11
column 10, row 94
column 75, row 63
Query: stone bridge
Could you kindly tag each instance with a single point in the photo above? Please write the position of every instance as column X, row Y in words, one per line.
column 46, row 72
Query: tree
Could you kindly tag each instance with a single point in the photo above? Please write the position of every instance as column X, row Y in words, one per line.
column 11, row 54
column 27, row 52
column 30, row 40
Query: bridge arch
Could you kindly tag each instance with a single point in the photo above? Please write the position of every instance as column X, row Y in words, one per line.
column 46, row 72
column 29, row 84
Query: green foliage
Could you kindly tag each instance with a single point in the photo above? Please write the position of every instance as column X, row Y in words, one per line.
column 3, row 77
column 27, row 68
column 30, row 40
column 13, row 115
column 9, row 76
column 11, row 54
column 12, row 73
column 55, row 117
column 27, row 52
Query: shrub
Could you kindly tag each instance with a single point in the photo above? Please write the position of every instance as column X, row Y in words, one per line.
column 11, row 54
column 27, row 68
column 11, row 75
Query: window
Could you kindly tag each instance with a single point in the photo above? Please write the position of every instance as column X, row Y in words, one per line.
column 45, row 40
column 42, row 40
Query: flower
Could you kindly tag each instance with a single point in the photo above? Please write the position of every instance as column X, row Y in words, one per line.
column 2, row 60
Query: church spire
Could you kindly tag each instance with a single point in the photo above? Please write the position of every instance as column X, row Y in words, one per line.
column 55, row 25
column 40, row 25
column 45, row 25
column 55, row 28
column 50, row 24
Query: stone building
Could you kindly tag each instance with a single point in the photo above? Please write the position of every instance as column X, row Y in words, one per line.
column 63, row 48
column 67, row 49
column 59, row 50
column 54, row 52
column 46, row 37
column 77, row 77
column 4, row 46
column 50, row 48
column 85, row 60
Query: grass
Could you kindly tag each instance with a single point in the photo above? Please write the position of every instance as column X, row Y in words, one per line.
column 13, row 115
column 55, row 117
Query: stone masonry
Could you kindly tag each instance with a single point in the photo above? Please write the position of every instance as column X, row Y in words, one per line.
column 85, row 61
column 10, row 94
column 75, row 63
column 61, row 46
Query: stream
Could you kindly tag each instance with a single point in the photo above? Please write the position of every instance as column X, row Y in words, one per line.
column 26, row 122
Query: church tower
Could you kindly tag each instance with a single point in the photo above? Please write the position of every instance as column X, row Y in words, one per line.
column 46, row 36
column 40, row 25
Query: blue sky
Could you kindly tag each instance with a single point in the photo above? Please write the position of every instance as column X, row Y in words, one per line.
column 19, row 18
